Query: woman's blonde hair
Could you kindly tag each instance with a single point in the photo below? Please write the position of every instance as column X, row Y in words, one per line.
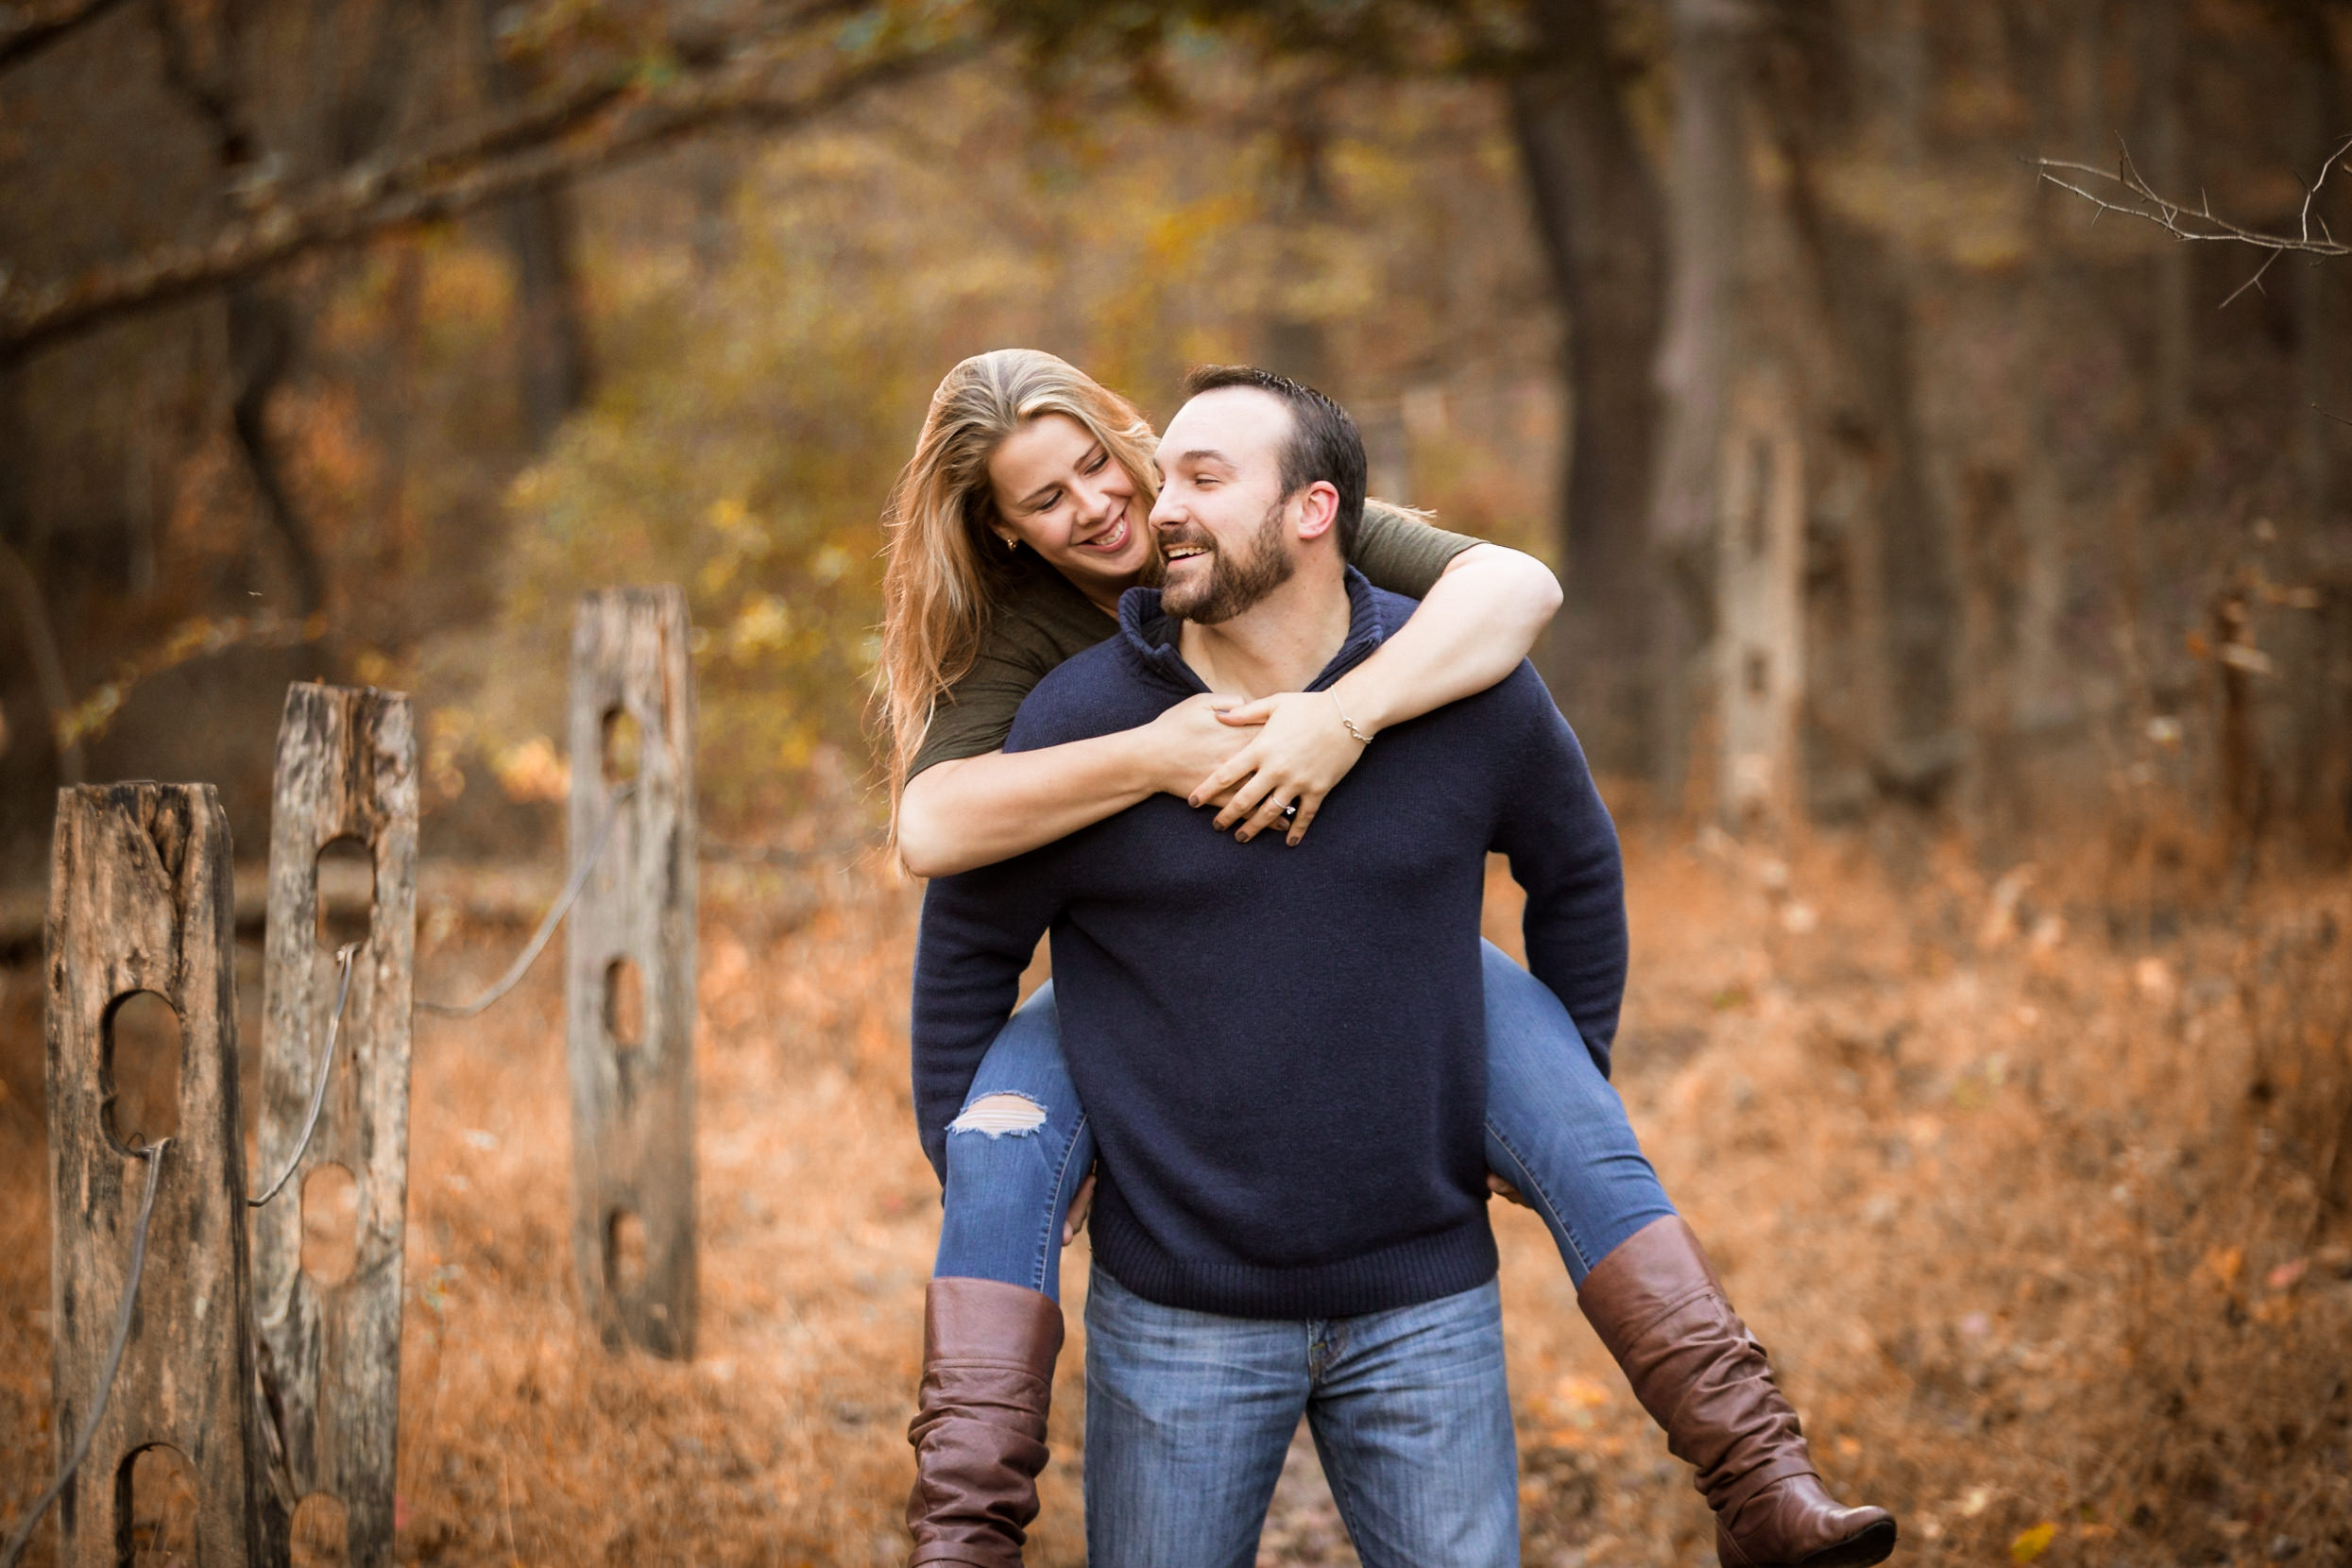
column 947, row 570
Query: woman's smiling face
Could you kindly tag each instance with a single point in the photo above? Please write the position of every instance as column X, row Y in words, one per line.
column 1059, row 491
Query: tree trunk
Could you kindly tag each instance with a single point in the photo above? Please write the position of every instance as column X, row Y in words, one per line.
column 1597, row 211
column 261, row 349
column 554, row 367
column 2319, row 128
column 2160, row 88
column 1704, row 211
column 1895, row 555
column 553, row 348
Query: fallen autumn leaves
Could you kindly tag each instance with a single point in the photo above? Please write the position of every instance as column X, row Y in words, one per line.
column 2037, row 1222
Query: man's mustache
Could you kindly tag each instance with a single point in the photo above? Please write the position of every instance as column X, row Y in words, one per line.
column 1171, row 538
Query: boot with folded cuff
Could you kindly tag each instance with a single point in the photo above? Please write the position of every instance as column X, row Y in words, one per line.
column 1659, row 1307
column 979, row 1425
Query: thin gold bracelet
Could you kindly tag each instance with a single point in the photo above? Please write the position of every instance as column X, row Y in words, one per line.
column 1362, row 738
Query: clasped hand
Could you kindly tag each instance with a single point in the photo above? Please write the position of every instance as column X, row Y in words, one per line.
column 1292, row 747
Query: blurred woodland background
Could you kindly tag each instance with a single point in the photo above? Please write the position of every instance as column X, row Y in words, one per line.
column 1959, row 610
column 353, row 337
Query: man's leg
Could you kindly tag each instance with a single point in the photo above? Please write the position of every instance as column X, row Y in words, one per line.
column 1411, row 1414
column 1188, row 1416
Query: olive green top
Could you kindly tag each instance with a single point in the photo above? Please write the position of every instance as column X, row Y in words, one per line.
column 1044, row 619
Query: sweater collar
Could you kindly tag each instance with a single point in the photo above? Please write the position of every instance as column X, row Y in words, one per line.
column 1150, row 634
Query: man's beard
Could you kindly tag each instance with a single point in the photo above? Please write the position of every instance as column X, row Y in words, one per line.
column 1231, row 583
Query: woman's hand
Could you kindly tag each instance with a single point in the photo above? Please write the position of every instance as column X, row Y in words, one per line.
column 1192, row 738
column 1082, row 1204
column 1301, row 751
column 1496, row 1184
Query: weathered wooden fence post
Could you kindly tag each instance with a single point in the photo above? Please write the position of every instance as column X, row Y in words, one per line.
column 630, row 969
column 140, row 900
column 330, row 1347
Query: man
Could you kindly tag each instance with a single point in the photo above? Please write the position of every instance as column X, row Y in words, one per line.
column 1281, row 1049
column 1282, row 1055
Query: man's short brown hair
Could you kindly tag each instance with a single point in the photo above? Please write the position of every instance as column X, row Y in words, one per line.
column 1324, row 443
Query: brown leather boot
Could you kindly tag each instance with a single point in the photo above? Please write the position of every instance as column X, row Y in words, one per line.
column 980, row 1425
column 1663, row 1313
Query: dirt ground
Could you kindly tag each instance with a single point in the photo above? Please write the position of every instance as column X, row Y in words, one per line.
column 2032, row 1185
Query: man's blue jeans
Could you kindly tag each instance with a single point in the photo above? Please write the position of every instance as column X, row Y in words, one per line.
column 1554, row 1129
column 1188, row 1416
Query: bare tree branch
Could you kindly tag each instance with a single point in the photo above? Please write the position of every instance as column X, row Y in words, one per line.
column 24, row 35
column 580, row 130
column 2138, row 200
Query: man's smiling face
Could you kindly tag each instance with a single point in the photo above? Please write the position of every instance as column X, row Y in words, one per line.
column 1221, row 516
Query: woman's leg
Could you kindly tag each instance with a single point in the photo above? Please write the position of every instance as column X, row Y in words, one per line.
column 1554, row 1127
column 1557, row 1133
column 992, row 1320
column 1015, row 1158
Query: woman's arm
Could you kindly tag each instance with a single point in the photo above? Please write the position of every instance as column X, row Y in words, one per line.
column 1472, row 629
column 977, row 811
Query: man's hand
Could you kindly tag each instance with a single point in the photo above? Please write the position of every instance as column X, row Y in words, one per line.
column 1081, row 1206
column 1496, row 1184
column 1191, row 739
column 1301, row 751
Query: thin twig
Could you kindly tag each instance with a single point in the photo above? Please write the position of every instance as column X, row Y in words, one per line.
column 547, row 927
column 318, row 1091
column 2143, row 201
column 153, row 1155
column 2252, row 283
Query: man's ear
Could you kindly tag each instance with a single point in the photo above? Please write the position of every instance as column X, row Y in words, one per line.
column 1319, row 509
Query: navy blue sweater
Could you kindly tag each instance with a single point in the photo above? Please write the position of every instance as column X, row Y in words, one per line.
column 1282, row 1050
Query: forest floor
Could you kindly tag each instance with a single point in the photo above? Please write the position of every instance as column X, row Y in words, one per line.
column 2034, row 1189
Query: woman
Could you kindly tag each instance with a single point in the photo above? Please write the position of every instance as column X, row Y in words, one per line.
column 1013, row 532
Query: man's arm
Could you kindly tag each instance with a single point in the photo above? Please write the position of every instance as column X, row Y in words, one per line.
column 1563, row 851
column 978, row 933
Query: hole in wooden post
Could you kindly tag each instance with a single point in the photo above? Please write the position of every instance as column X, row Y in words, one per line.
column 155, row 1508
column 347, row 892
column 624, row 1254
column 322, row 1532
column 139, row 1073
column 623, row 745
column 330, row 1224
column 624, row 1004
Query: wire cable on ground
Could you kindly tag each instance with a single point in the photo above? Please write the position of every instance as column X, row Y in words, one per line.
column 153, row 1155
column 547, row 927
column 318, row 1091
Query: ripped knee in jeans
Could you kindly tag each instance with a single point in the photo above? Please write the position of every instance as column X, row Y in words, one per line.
column 1001, row 1115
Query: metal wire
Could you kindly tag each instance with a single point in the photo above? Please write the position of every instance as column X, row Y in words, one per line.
column 547, row 927
column 318, row 1091
column 153, row 1155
